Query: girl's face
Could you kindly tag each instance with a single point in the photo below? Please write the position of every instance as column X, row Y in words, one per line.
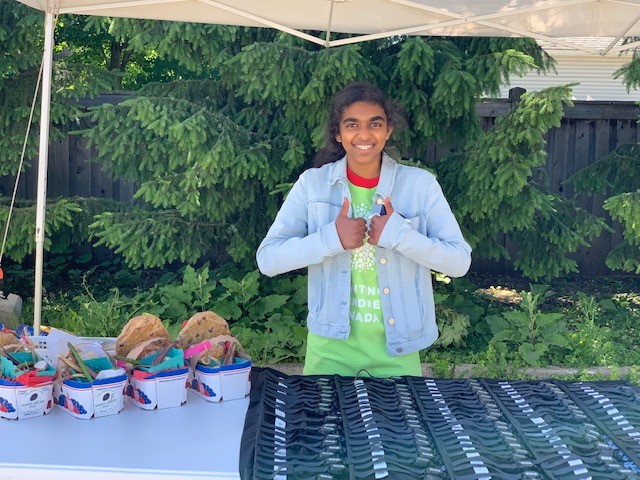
column 363, row 132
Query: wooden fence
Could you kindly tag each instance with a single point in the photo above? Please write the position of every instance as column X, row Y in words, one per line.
column 589, row 131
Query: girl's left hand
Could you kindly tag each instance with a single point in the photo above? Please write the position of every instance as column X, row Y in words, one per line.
column 378, row 222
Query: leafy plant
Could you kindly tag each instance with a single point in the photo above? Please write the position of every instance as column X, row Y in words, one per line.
column 453, row 326
column 176, row 302
column 85, row 315
column 282, row 339
column 456, row 310
column 593, row 340
column 525, row 334
column 443, row 368
column 269, row 316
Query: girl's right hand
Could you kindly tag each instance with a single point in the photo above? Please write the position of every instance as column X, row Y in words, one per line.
column 351, row 231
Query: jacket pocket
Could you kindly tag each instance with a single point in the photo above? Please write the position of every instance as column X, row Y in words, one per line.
column 316, row 294
column 406, row 301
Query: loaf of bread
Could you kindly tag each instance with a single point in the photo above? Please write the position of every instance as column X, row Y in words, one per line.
column 204, row 326
column 140, row 329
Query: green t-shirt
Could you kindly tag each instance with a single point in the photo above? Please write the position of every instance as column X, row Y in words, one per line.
column 365, row 349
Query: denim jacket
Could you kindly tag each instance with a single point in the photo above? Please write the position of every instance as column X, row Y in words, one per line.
column 420, row 235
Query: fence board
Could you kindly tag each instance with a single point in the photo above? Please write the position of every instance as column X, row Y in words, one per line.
column 58, row 169
column 593, row 257
column 627, row 132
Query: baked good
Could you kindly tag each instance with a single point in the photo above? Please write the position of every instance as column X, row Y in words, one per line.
column 204, row 326
column 140, row 329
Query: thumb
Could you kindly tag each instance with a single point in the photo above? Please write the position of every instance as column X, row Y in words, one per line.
column 345, row 208
column 387, row 205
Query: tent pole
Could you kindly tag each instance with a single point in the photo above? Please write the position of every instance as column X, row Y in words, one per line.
column 45, row 107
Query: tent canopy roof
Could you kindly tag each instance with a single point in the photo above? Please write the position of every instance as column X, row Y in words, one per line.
column 546, row 20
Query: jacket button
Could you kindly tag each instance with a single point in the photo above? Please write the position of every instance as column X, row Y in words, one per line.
column 392, row 321
column 386, row 291
column 383, row 261
column 399, row 350
column 379, row 201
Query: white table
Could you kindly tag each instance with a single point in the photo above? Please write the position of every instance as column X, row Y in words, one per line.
column 197, row 440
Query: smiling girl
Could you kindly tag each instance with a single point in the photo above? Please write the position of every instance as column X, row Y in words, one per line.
column 370, row 231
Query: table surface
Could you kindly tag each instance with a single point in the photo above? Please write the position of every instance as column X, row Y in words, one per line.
column 200, row 440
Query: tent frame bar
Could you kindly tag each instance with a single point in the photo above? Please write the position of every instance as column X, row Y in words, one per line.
column 456, row 19
column 43, row 155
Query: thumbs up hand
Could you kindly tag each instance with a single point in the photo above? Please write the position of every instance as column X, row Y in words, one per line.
column 378, row 222
column 351, row 231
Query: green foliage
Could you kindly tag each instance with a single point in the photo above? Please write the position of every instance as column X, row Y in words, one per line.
column 20, row 56
column 252, row 115
column 493, row 189
column 496, row 363
column 238, row 113
column 438, row 82
column 21, row 238
column 153, row 238
column 630, row 72
column 267, row 316
column 205, row 191
column 591, row 343
column 442, row 368
column 21, row 31
column 553, row 327
column 603, row 332
column 625, row 207
column 452, row 326
column 281, row 340
column 455, row 313
column 67, row 223
column 559, row 228
column 618, row 176
column 616, row 172
column 93, row 318
column 177, row 302
column 525, row 334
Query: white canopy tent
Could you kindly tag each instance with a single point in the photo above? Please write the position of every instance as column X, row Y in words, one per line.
column 554, row 21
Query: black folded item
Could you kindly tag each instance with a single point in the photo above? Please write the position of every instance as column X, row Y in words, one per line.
column 331, row 427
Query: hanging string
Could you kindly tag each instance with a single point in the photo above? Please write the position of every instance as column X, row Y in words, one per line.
column 24, row 148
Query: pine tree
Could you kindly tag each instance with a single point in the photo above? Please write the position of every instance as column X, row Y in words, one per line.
column 617, row 176
column 493, row 188
column 236, row 114
column 21, row 45
column 195, row 147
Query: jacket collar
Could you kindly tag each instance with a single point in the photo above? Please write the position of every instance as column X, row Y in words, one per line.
column 387, row 174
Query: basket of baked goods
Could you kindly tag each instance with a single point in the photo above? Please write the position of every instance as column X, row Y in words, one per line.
column 88, row 383
column 219, row 368
column 157, row 374
column 26, row 381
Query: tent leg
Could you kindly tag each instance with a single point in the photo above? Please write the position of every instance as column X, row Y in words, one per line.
column 43, row 159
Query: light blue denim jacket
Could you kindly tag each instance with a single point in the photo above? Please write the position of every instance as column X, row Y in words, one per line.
column 421, row 235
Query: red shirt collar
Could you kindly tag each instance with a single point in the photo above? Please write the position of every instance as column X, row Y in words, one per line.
column 359, row 181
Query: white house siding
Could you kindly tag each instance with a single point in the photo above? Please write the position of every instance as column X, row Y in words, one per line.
column 594, row 73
